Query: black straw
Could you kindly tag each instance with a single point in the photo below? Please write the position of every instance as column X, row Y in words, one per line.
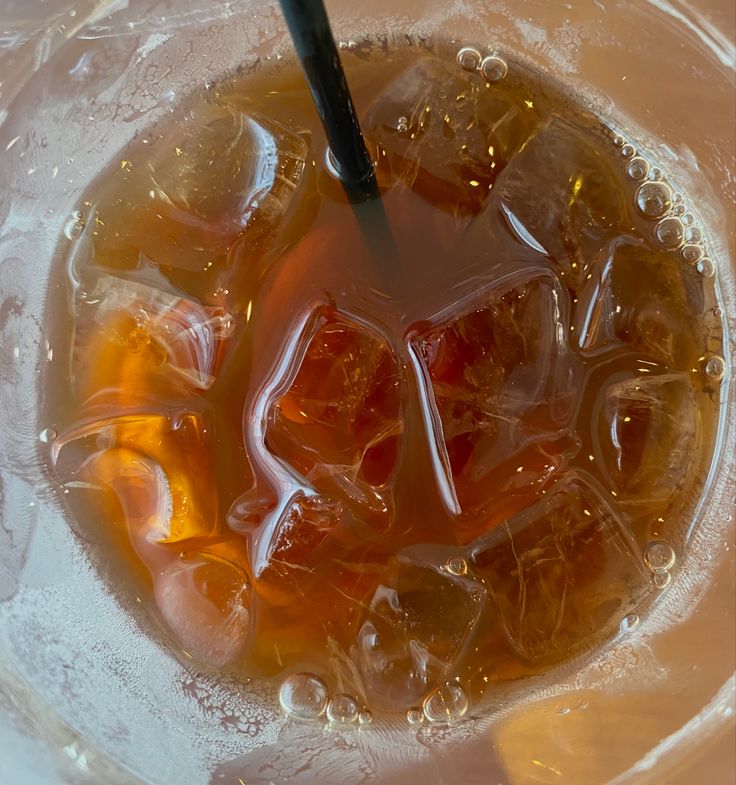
column 315, row 47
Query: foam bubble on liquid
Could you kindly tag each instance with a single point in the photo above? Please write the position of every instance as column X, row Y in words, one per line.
column 469, row 58
column 653, row 200
column 637, row 169
column 494, row 69
column 715, row 367
column 661, row 580
column 629, row 622
column 47, row 435
column 669, row 234
column 456, row 565
column 659, row 556
column 445, row 704
column 414, row 716
column 628, row 151
column 303, row 695
column 692, row 253
column 706, row 268
column 365, row 717
column 342, row 709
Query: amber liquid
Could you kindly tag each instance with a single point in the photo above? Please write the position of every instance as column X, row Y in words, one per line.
column 394, row 455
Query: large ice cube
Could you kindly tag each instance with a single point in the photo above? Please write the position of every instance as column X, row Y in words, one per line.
column 446, row 134
column 215, row 173
column 501, row 385
column 159, row 471
column 418, row 626
column 205, row 602
column 136, row 331
column 650, row 429
column 561, row 195
column 560, row 572
column 338, row 423
column 643, row 298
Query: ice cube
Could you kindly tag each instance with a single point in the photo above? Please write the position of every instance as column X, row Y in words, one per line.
column 417, row 627
column 205, row 602
column 501, row 385
column 650, row 428
column 216, row 173
column 561, row 572
column 338, row 423
column 136, row 331
column 560, row 195
column 445, row 134
column 643, row 298
column 159, row 471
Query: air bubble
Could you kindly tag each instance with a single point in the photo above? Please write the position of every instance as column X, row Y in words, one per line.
column 689, row 218
column 47, row 435
column 692, row 253
column 618, row 141
column 415, row 716
column 303, row 695
column 718, row 312
column 402, row 124
column 628, row 151
column 365, row 717
column 661, row 580
column 659, row 556
column 715, row 367
column 456, row 565
column 445, row 704
column 677, row 198
column 653, row 199
column 706, row 268
column 629, row 622
column 637, row 169
column 693, row 234
column 678, row 210
column 494, row 69
column 669, row 233
column 656, row 173
column 469, row 58
column 342, row 709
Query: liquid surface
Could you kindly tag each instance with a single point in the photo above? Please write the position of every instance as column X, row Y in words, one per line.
column 406, row 451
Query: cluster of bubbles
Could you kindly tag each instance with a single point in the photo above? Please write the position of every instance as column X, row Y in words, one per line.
column 305, row 696
column 675, row 229
column 660, row 558
column 492, row 68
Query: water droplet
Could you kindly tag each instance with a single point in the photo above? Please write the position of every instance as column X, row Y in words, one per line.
column 456, row 565
column 445, row 704
column 706, row 268
column 691, row 253
column 402, row 125
column 653, row 199
column 628, row 151
column 303, row 695
column 656, row 173
column 637, row 169
column 494, row 69
column 659, row 556
column 661, row 580
column 629, row 622
column 618, row 141
column 342, row 708
column 365, row 717
column 693, row 234
column 669, row 233
column 715, row 367
column 47, row 435
column 415, row 716
column 469, row 58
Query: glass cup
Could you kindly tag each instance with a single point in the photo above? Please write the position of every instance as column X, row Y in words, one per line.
column 87, row 695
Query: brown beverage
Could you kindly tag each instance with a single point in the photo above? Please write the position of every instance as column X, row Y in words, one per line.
column 453, row 444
